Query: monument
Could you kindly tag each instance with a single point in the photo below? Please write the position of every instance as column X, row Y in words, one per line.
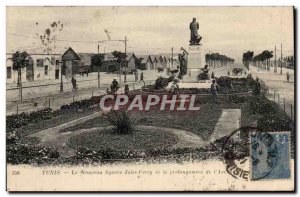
column 196, row 55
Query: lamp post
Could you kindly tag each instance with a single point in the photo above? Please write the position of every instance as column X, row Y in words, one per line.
column 125, row 43
column 61, row 79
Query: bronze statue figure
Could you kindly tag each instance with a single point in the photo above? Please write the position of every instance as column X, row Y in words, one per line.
column 195, row 37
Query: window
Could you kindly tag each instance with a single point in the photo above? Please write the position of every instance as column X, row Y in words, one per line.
column 39, row 62
column 8, row 72
column 46, row 70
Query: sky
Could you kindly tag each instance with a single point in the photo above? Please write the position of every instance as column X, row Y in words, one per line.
column 151, row 30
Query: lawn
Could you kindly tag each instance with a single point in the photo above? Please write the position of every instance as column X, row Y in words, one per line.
column 201, row 122
column 140, row 139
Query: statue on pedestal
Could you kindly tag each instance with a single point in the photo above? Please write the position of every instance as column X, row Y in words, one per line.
column 182, row 63
column 204, row 73
column 195, row 37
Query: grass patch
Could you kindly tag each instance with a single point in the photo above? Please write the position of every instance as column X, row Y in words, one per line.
column 140, row 139
column 200, row 122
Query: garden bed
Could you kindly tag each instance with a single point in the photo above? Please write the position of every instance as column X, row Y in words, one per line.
column 201, row 122
column 27, row 123
column 140, row 139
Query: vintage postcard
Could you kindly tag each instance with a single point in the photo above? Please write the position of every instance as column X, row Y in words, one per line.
column 150, row 98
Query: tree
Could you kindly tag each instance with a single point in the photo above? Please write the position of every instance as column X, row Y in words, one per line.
column 120, row 57
column 97, row 60
column 267, row 55
column 264, row 56
column 223, row 59
column 20, row 60
column 247, row 57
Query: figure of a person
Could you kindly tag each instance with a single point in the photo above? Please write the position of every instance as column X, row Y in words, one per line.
column 288, row 77
column 142, row 77
column 126, row 89
column 195, row 37
column 114, row 86
column 73, row 81
column 214, row 89
column 205, row 69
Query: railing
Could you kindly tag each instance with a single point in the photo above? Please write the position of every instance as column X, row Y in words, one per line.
column 280, row 100
column 55, row 101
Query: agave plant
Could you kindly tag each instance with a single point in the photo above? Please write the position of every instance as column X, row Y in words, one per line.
column 122, row 121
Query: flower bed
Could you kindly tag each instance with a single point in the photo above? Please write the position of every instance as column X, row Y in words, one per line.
column 18, row 152
column 24, row 119
column 19, row 120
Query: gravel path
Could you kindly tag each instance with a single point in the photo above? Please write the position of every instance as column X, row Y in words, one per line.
column 229, row 121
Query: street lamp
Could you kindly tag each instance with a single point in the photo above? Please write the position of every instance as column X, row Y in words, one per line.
column 61, row 79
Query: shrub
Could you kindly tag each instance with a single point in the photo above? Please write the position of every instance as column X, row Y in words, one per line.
column 86, row 155
column 160, row 69
column 19, row 120
column 122, row 121
column 224, row 82
column 23, row 153
column 237, row 71
column 203, row 76
column 82, row 104
column 26, row 154
column 162, row 82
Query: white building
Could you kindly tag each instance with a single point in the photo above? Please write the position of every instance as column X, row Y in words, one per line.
column 42, row 67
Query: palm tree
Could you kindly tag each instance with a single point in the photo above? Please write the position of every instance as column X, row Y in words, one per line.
column 20, row 60
column 97, row 60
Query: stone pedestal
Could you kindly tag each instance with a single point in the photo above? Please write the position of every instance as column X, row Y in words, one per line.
column 196, row 57
column 195, row 61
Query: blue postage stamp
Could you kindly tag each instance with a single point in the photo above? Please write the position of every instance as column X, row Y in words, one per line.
column 270, row 155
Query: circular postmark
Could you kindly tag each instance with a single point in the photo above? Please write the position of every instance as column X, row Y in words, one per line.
column 245, row 143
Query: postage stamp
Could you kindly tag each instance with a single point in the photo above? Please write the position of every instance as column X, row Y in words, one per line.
column 270, row 155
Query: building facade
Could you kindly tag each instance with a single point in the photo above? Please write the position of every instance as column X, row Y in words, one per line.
column 41, row 67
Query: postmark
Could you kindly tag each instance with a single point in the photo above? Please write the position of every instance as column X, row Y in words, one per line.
column 235, row 152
